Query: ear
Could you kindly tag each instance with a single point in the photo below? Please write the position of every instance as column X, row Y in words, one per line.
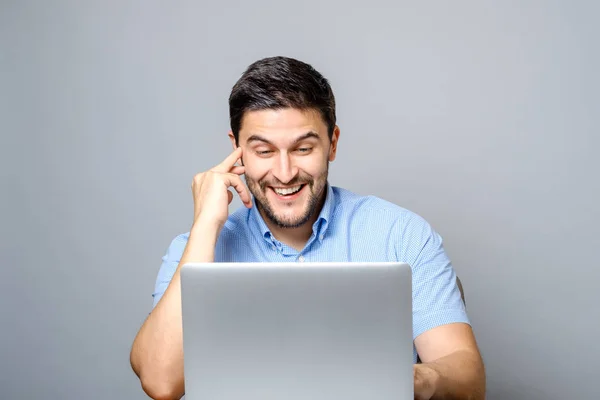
column 232, row 138
column 334, row 142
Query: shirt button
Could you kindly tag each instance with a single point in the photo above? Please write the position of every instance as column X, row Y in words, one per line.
column 321, row 237
column 301, row 259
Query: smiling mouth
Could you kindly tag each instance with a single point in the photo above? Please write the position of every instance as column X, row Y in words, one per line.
column 288, row 191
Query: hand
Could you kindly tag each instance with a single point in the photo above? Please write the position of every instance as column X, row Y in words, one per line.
column 211, row 190
column 425, row 379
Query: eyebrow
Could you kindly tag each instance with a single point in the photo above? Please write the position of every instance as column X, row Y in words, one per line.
column 258, row 138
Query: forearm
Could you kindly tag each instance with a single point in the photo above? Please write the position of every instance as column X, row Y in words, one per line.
column 460, row 375
column 157, row 351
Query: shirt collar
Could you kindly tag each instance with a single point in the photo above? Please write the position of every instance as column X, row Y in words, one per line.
column 320, row 226
column 322, row 223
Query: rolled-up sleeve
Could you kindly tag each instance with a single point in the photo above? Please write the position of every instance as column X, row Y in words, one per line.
column 436, row 296
column 170, row 261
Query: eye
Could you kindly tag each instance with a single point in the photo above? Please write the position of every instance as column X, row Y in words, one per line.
column 304, row 150
column 263, row 152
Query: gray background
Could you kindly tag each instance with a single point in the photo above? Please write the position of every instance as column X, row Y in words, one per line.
column 480, row 116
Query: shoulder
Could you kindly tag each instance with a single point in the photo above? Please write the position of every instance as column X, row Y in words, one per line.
column 368, row 205
column 385, row 221
column 176, row 248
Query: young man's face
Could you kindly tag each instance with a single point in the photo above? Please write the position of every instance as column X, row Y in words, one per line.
column 286, row 154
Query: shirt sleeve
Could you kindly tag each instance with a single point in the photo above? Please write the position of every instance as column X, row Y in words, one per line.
column 170, row 261
column 436, row 297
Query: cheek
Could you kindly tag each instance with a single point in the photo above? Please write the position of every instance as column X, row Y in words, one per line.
column 256, row 169
column 314, row 166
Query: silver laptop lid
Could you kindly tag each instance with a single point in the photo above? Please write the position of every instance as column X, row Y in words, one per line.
column 289, row 331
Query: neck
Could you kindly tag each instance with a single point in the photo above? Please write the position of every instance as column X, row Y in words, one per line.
column 296, row 237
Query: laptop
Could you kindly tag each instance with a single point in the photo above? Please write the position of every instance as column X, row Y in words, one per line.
column 297, row 331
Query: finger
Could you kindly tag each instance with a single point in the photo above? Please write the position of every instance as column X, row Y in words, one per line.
column 239, row 186
column 229, row 162
column 238, row 170
column 236, row 182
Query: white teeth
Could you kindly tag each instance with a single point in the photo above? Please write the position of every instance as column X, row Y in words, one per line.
column 286, row 191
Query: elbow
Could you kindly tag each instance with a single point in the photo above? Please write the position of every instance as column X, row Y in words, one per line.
column 157, row 381
column 157, row 384
column 161, row 389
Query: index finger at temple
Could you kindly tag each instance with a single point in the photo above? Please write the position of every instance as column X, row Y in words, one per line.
column 229, row 161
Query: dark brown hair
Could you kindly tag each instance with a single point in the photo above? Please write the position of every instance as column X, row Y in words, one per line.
column 281, row 82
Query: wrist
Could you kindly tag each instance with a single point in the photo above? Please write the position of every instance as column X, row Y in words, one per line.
column 201, row 242
column 207, row 224
column 433, row 375
column 205, row 229
column 427, row 380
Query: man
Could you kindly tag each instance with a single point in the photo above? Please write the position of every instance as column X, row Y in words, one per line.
column 284, row 135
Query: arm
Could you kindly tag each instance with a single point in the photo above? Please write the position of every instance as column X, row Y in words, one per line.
column 157, row 352
column 452, row 367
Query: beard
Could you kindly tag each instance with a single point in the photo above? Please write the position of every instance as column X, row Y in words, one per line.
column 315, row 187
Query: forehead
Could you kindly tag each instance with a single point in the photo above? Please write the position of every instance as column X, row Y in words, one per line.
column 282, row 124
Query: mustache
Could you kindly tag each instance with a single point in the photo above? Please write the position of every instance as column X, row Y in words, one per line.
column 293, row 182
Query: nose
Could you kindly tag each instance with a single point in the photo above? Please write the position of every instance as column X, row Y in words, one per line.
column 284, row 169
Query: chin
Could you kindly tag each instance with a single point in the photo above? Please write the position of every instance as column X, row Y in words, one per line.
column 287, row 220
column 290, row 220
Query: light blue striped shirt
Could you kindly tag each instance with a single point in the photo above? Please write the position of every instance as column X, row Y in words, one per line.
column 349, row 228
